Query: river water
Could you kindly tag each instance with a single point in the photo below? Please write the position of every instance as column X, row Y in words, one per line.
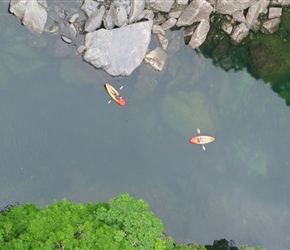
column 59, row 138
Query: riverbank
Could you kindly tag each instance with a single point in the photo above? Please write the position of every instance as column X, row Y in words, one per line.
column 115, row 35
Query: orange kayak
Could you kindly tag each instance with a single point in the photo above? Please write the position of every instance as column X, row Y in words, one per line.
column 201, row 139
column 115, row 95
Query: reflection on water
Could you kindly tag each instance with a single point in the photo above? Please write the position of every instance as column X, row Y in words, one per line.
column 61, row 139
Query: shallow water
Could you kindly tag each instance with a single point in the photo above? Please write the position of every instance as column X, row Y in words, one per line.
column 60, row 138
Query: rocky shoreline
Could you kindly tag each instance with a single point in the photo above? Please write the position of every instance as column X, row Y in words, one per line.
column 115, row 35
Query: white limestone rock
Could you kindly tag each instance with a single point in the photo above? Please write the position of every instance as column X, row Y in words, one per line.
column 95, row 20
column 89, row 7
column 168, row 24
column 239, row 33
column 253, row 14
column 274, row 12
column 230, row 6
column 199, row 34
column 195, row 12
column 137, row 6
column 17, row 7
column 35, row 16
column 271, row 26
column 160, row 5
column 119, row 51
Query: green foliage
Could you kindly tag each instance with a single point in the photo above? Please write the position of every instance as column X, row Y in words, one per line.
column 192, row 246
column 246, row 247
column 222, row 244
column 265, row 56
column 63, row 225
column 123, row 223
column 140, row 226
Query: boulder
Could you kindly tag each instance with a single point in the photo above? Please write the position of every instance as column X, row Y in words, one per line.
column 230, row 6
column 227, row 27
column 195, row 12
column 253, row 14
column 274, row 12
column 271, row 26
column 95, row 20
column 137, row 6
column 175, row 14
column 264, row 6
column 182, row 2
column 199, row 34
column 160, row 5
column 17, row 7
column 118, row 51
column 157, row 29
column 163, row 41
column 239, row 34
column 31, row 13
column 35, row 16
column 120, row 15
column 43, row 3
column 239, row 16
column 284, row 2
column 146, row 14
column 89, row 7
column 168, row 24
column 156, row 58
column 108, row 20
column 115, row 16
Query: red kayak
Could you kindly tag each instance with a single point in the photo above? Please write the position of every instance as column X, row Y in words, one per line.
column 115, row 95
column 201, row 139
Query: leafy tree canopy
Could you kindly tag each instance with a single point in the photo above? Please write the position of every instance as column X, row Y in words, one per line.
column 122, row 223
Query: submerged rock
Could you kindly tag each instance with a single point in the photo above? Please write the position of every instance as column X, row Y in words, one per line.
column 156, row 58
column 269, row 59
column 75, row 72
column 121, row 50
column 111, row 51
column 186, row 111
column 254, row 160
column 163, row 41
column 66, row 39
column 145, row 83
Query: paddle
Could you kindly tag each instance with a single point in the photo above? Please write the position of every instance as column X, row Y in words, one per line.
column 198, row 132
